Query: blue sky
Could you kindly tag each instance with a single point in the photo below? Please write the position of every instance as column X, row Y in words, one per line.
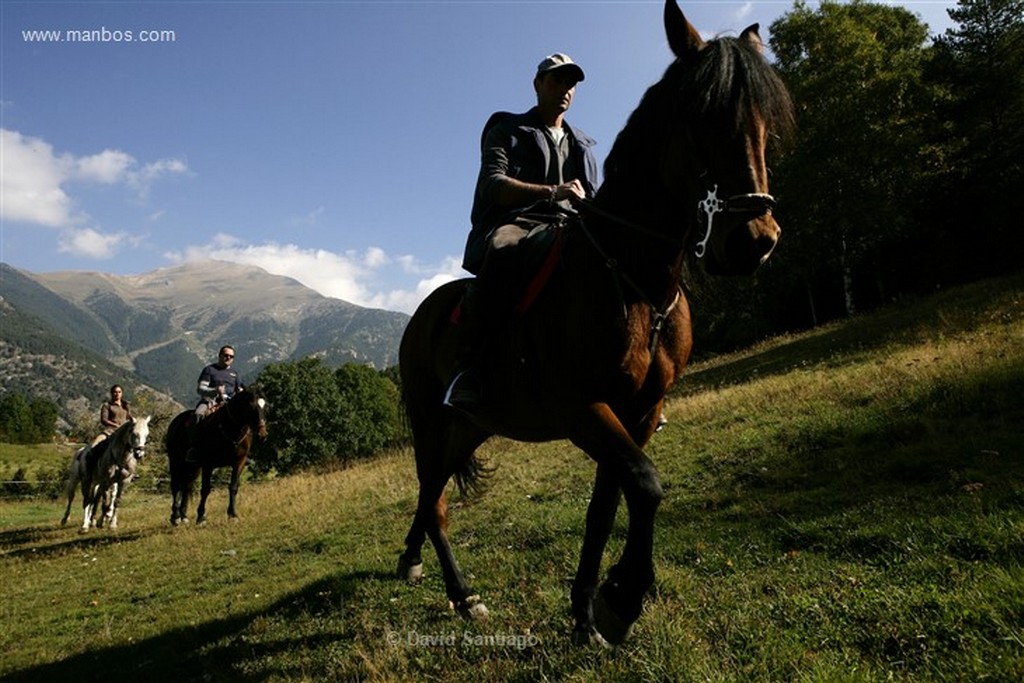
column 333, row 142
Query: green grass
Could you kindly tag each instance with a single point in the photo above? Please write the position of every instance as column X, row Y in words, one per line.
column 33, row 463
column 846, row 504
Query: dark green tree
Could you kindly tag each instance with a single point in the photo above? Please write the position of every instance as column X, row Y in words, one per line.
column 302, row 423
column 318, row 416
column 23, row 421
column 369, row 419
column 44, row 419
column 980, row 63
column 854, row 70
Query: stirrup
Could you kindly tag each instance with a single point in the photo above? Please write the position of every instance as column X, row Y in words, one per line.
column 460, row 396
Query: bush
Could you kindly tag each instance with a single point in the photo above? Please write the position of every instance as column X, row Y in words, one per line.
column 320, row 417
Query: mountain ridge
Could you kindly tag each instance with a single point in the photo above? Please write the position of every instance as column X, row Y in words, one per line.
column 163, row 326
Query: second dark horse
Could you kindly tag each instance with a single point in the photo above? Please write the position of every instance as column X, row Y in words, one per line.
column 223, row 439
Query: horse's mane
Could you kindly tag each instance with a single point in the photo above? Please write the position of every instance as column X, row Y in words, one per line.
column 731, row 83
column 116, row 440
column 120, row 434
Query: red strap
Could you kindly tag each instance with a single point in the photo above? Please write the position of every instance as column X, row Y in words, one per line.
column 539, row 280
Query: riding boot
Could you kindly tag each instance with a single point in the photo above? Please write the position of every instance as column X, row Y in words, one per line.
column 465, row 389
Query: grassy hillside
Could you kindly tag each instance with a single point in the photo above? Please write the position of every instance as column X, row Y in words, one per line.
column 842, row 505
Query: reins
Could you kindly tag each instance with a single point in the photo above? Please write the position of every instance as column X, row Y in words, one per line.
column 619, row 276
column 246, row 427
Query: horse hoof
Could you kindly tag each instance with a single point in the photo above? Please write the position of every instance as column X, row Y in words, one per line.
column 83, row 530
column 583, row 636
column 611, row 628
column 413, row 573
column 472, row 609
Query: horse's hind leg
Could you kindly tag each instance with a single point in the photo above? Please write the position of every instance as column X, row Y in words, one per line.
column 204, row 493
column 432, row 513
column 431, row 519
column 69, row 491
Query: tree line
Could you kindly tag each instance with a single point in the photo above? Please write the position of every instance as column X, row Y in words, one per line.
column 25, row 420
column 903, row 173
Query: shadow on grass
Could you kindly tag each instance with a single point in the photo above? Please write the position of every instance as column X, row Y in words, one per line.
column 219, row 650
column 40, row 542
column 906, row 323
column 949, row 445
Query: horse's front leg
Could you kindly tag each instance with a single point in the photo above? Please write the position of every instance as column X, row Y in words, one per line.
column 604, row 503
column 204, row 492
column 236, row 476
column 620, row 600
column 177, row 499
column 106, row 510
column 115, row 502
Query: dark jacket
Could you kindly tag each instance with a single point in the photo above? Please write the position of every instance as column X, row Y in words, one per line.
column 514, row 145
column 213, row 376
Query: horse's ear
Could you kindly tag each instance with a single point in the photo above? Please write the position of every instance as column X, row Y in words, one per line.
column 683, row 38
column 751, row 35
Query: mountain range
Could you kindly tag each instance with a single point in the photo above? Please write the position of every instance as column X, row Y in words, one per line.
column 69, row 335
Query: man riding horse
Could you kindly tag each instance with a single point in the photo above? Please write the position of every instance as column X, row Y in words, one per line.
column 217, row 383
column 532, row 166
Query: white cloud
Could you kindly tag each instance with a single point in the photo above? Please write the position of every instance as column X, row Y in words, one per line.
column 744, row 11
column 90, row 243
column 370, row 278
column 407, row 300
column 35, row 179
column 31, row 179
column 310, row 219
column 375, row 258
column 107, row 167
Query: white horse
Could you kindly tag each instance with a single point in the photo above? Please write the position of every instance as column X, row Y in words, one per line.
column 104, row 470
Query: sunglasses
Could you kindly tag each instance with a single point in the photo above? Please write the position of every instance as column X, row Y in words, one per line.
column 227, row 355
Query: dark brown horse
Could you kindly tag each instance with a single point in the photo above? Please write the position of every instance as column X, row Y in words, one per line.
column 223, row 439
column 592, row 359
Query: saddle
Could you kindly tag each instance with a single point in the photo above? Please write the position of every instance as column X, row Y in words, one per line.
column 537, row 256
column 94, row 454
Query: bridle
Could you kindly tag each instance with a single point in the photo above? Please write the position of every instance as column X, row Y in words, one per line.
column 755, row 203
column 241, row 423
column 658, row 317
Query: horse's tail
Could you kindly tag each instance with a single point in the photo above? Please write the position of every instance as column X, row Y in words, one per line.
column 472, row 477
column 75, row 475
